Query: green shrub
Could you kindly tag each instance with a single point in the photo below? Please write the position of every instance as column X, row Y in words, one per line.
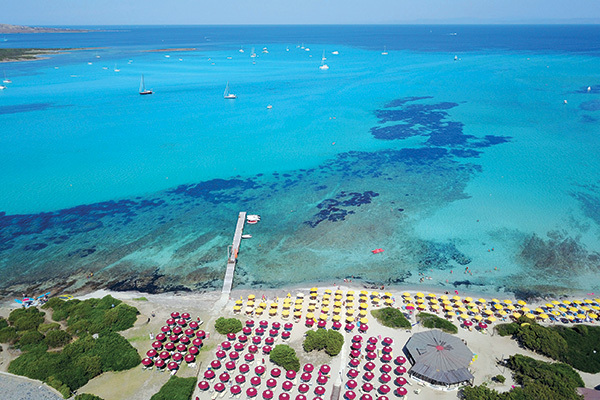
column 87, row 396
column 116, row 353
column 329, row 340
column 29, row 338
column 500, row 378
column 140, row 299
column 26, row 319
column 582, row 347
column 543, row 340
column 391, row 317
column 433, row 321
column 57, row 338
column 284, row 356
column 228, row 325
column 45, row 328
column 507, row 329
column 61, row 387
column 8, row 335
column 3, row 323
column 176, row 389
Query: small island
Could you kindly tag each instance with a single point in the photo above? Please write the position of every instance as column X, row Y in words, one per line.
column 12, row 55
column 7, row 29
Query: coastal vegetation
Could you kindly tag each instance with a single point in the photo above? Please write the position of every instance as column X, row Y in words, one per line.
column 176, row 389
column 537, row 380
column 324, row 339
column 391, row 317
column 87, row 396
column 228, row 325
column 284, row 356
column 24, row 54
column 433, row 321
column 576, row 346
column 97, row 347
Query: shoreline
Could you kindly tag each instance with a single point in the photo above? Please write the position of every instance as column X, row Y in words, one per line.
column 38, row 54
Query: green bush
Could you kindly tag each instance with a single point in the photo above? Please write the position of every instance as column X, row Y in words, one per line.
column 45, row 328
column 3, row 323
column 500, row 378
column 284, row 356
column 176, row 389
column 228, row 325
column 507, row 329
column 433, row 321
column 29, row 338
column 8, row 335
column 391, row 317
column 329, row 340
column 87, row 396
column 543, row 340
column 26, row 319
column 57, row 338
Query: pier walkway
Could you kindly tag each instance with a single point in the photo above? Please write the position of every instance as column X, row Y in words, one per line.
column 233, row 254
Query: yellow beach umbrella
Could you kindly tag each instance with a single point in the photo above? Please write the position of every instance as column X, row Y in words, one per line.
column 387, row 294
column 580, row 316
column 407, row 299
column 567, row 302
column 511, row 307
column 349, row 304
column 389, row 301
column 338, row 297
column 262, row 304
column 311, row 308
column 237, row 308
column 491, row 318
column 250, row 303
column 272, row 311
column 251, row 297
column 431, row 296
column 448, row 308
column 577, row 302
column 364, row 293
column 530, row 316
column 543, row 316
column 464, row 316
column 525, row 309
column 596, row 308
column 421, row 306
column 588, row 301
column 364, row 321
column 309, row 315
column 495, row 300
column 488, row 312
column 375, row 294
column 363, row 313
column 298, row 307
column 419, row 300
column 468, row 299
column 350, row 311
column 259, row 311
column 248, row 310
column 285, row 313
column 326, row 297
column 239, row 302
column 478, row 317
column 557, row 313
column 435, row 307
column 555, row 302
column 376, row 300
column 517, row 315
column 350, row 298
column 298, row 314
column 549, row 305
column 336, row 318
column 299, row 301
column 406, row 294
column 521, row 303
column 593, row 315
column 502, row 312
column 350, row 293
column 349, row 319
column 482, row 300
column 274, row 305
column 456, row 298
column 363, row 306
column 325, row 310
column 570, row 317
column 325, row 303
column 327, row 291
column 323, row 316
column 498, row 306
column 562, row 309
column 339, row 292
column 434, row 301
column 539, row 310
column 446, row 302
column 443, row 297
column 462, row 309
column 420, row 294
column 337, row 304
column 573, row 309
column 314, row 289
column 337, row 310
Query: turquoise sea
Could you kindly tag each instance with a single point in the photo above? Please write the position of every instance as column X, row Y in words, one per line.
column 468, row 153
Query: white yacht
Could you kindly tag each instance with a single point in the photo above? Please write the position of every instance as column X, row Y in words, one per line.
column 385, row 53
column 227, row 95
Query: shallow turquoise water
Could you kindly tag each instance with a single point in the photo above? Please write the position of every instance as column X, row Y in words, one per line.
column 499, row 161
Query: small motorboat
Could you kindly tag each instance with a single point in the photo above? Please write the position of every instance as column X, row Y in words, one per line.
column 246, row 236
column 253, row 217
column 377, row 251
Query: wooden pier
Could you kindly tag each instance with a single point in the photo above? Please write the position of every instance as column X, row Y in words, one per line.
column 233, row 253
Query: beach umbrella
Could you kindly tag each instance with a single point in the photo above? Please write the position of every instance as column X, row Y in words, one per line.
column 306, row 377
column 256, row 340
column 322, row 379
column 303, row 388
column 177, row 357
column 370, row 366
column 193, row 350
column 467, row 323
column 387, row 350
column 309, row 322
column 286, row 335
column 267, row 349
column 267, row 394
column 201, row 335
column 182, row 348
column 367, row 387
column 371, row 347
column 400, row 370
column 244, row 368
column 235, row 389
column 351, row 384
column 401, row 391
column 164, row 355
column 157, row 345
column 385, row 378
column 386, row 358
column 220, row 354
column 372, row 340
column 384, row 389
column 321, row 324
column 287, row 385
column 400, row 381
column 284, row 396
column 146, row 362
column 240, row 379
column 194, row 325
column 161, row 337
column 263, row 324
column 275, row 372
column 309, row 368
column 215, row 364
column 386, row 368
column 224, row 377
column 371, row 355
column 174, row 315
column 160, row 363
column 230, row 365
column 273, row 332
column 170, row 321
column 271, row 383
column 355, row 354
column 151, row 353
column 290, row 374
column 269, row 341
column 252, row 348
column 203, row 385
column 352, row 373
column 368, row 375
column 483, row 325
column 165, row 329
column 250, row 323
column 238, row 347
column 255, row 381
column 251, row 392
column 319, row 390
column 301, row 397
column 355, row 362
column 349, row 395
column 197, row 342
column 259, row 331
column 336, row 325
column 357, row 338
column 288, row 326
column 325, row 369
column 170, row 346
column 349, row 327
column 366, row 396
column 259, row 370
column 387, row 341
column 181, row 322
column 172, row 366
column 247, row 330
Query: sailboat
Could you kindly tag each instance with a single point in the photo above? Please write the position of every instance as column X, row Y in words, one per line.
column 227, row 95
column 143, row 89
column 323, row 66
column 253, row 54
column 241, row 50
column 385, row 53
column 6, row 80
column 117, row 69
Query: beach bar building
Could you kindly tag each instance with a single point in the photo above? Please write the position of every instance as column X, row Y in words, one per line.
column 439, row 359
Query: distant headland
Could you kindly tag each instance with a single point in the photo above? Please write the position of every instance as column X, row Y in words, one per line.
column 7, row 29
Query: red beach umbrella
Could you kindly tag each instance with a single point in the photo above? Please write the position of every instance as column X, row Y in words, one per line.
column 197, row 342
column 275, row 372
column 184, row 340
column 370, row 366
column 349, row 395
column 177, row 330
column 255, row 381
column 240, row 379
column 467, row 323
column 170, row 321
column 290, row 374
column 151, row 353
column 267, row 349
column 271, row 383
column 177, row 357
column 249, row 357
column 259, row 370
column 355, row 354
column 383, row 398
column 259, row 331
column 309, row 368
column 247, row 330
column 386, row 358
column 322, row 323
column 220, row 354
column 209, row 374
column 252, row 348
column 352, row 373
column 226, row 345
column 230, row 365
column 174, row 338
column 256, row 340
column 263, row 324
column 182, row 348
column 349, row 327
column 224, row 377
column 356, row 346
column 401, row 391
column 251, row 392
column 287, row 385
column 189, row 358
column 170, row 346
column 203, row 385
column 309, row 322
column 193, row 350
column 181, row 322
column 267, row 394
column 172, row 366
column 371, row 347
column 385, row 378
column 276, row 325
column 174, row 314
column 146, row 362
column 303, row 388
column 161, row 337
column 194, row 325
column 301, row 397
column 286, row 335
column 215, row 364
column 238, row 346
column 322, row 380
column 189, row 332
column 400, row 360
column 483, row 325
column 386, row 368
column 235, row 389
column 367, row 387
column 367, row 376
column 164, row 355
column 355, row 362
column 400, row 370
column 284, row 396
column 160, row 363
column 351, row 384
column 201, row 334
column 243, row 338
column 366, row 396
column 357, row 338
column 165, row 329
column 157, row 345
column 273, row 332
column 371, row 355
column 384, row 389
column 288, row 326
column 231, row 336
column 234, row 355
column 306, row 377
column 219, row 387
column 387, row 341
column 244, row 368
column 400, row 381
column 319, row 390
column 250, row 323
column 337, row 325
column 373, row 340
column 270, row 341
column 387, row 350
